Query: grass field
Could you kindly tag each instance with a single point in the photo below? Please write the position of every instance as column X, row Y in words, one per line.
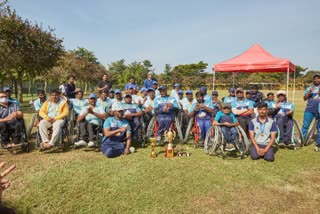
column 84, row 181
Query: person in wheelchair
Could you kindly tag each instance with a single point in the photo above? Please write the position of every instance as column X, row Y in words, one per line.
column 89, row 120
column 187, row 107
column 148, row 106
column 216, row 103
column 11, row 122
column 283, row 113
column 132, row 113
column 232, row 96
column 78, row 103
column 37, row 104
column 227, row 122
column 165, row 107
column 262, row 131
column 104, row 100
column 8, row 91
column 53, row 112
column 203, row 112
column 117, row 131
column 140, row 100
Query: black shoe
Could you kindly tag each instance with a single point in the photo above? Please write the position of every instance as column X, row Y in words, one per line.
column 281, row 144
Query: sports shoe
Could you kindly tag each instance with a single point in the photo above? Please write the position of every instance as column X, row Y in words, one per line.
column 281, row 144
column 230, row 147
column 316, row 148
column 91, row 144
column 80, row 143
column 158, row 138
column 290, row 145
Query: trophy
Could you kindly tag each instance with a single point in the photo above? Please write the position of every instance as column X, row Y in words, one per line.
column 179, row 148
column 188, row 152
column 170, row 135
column 153, row 144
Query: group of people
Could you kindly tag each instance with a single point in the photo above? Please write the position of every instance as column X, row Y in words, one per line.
column 119, row 114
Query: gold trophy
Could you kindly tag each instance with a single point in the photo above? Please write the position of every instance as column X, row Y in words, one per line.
column 170, row 135
column 153, row 144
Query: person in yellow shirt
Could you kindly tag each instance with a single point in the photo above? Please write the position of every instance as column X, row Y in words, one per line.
column 53, row 112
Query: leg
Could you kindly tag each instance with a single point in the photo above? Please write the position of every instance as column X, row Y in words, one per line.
column 269, row 155
column 83, row 129
column 17, row 126
column 43, row 130
column 111, row 152
column 307, row 118
column 4, row 133
column 201, row 125
column 225, row 133
column 253, row 153
column 56, row 126
column 136, row 125
column 91, row 127
column 207, row 126
column 243, row 123
column 288, row 133
column 161, row 124
column 234, row 132
column 280, row 124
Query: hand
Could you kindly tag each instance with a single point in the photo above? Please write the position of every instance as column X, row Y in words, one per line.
column 51, row 120
column 201, row 105
column 196, row 108
column 226, row 123
column 126, row 151
column 122, row 129
column 311, row 89
column 5, row 184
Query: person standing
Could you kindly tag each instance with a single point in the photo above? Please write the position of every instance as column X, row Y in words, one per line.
column 312, row 96
column 131, row 84
column 104, row 84
column 149, row 81
column 70, row 88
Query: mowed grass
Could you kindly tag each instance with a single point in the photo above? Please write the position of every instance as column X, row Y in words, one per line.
column 84, row 181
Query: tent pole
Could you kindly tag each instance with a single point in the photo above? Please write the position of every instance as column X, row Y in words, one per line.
column 294, row 86
column 288, row 83
column 213, row 79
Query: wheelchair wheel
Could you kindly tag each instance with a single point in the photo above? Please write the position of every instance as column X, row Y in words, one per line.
column 150, row 129
column 312, row 132
column 212, row 141
column 297, row 137
column 24, row 137
column 242, row 142
column 31, row 124
column 188, row 130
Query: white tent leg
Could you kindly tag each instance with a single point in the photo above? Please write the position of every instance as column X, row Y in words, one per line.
column 294, row 86
column 288, row 83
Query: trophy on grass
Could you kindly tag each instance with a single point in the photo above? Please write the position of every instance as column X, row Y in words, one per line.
column 153, row 144
column 179, row 148
column 170, row 135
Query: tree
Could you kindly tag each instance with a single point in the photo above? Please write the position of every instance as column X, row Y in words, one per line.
column 167, row 75
column 26, row 49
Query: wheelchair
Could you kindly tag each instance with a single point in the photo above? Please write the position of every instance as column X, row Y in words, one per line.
column 152, row 130
column 193, row 129
column 297, row 140
column 312, row 134
column 215, row 143
column 23, row 141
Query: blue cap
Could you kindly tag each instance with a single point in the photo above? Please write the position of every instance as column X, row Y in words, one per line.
column 92, row 96
column 248, row 92
column 163, row 87
column 189, row 92
column 117, row 91
column 203, row 88
column 150, row 89
column 215, row 93
column 143, row 89
column 180, row 92
column 7, row 88
column 176, row 85
column 232, row 90
column 154, row 82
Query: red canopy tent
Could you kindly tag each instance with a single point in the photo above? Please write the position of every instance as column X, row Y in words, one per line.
column 256, row 59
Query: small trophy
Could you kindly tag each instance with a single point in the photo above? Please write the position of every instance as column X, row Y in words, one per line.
column 170, row 135
column 188, row 152
column 179, row 148
column 153, row 144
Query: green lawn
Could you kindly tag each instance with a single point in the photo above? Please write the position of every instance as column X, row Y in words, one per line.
column 84, row 181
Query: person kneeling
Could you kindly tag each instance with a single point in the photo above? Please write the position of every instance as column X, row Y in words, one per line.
column 262, row 132
column 228, row 123
column 90, row 119
column 117, row 131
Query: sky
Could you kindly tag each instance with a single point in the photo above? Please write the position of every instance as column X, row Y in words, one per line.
column 182, row 31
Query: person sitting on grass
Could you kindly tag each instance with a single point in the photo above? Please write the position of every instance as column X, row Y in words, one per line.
column 228, row 123
column 53, row 112
column 283, row 115
column 10, row 121
column 262, row 132
column 117, row 131
column 90, row 119
column 202, row 111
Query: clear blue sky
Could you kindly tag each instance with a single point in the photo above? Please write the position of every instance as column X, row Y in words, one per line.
column 182, row 31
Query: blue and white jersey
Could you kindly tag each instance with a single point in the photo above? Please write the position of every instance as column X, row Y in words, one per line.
column 180, row 102
column 117, row 104
column 14, row 101
column 37, row 104
column 188, row 105
column 174, row 94
column 139, row 99
column 90, row 118
column 207, row 97
column 243, row 104
column 285, row 107
column 157, row 93
column 148, row 103
column 105, row 104
column 160, row 102
column 131, row 85
column 130, row 108
column 271, row 104
column 112, row 99
column 215, row 106
column 202, row 114
column 113, row 124
column 313, row 100
column 222, row 117
column 78, row 105
column 229, row 99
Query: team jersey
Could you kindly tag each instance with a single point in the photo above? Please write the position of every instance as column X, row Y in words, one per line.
column 271, row 103
column 37, row 104
column 229, row 99
column 116, row 103
column 160, row 102
column 105, row 104
column 114, row 124
column 313, row 99
column 78, row 105
column 148, row 103
column 243, row 104
column 222, row 117
column 285, row 107
column 90, row 118
column 186, row 105
column 202, row 114
column 174, row 94
column 130, row 108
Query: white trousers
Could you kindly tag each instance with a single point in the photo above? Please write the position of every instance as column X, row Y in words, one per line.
column 43, row 129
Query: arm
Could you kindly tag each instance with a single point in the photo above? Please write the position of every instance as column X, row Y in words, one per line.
column 271, row 142
column 236, row 111
column 108, row 133
column 306, row 96
column 128, row 144
column 247, row 112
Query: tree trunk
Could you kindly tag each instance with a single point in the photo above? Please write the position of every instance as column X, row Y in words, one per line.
column 45, row 85
column 19, row 87
column 85, row 88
